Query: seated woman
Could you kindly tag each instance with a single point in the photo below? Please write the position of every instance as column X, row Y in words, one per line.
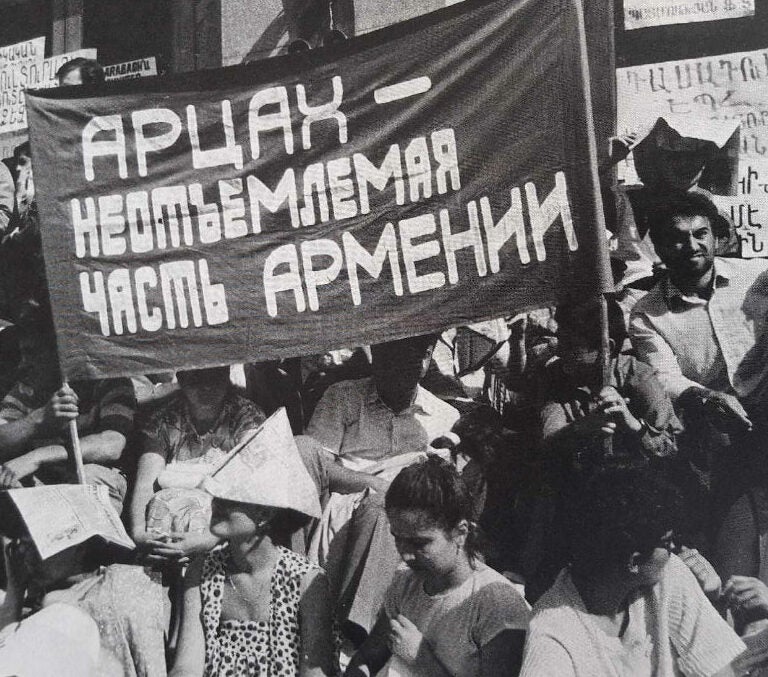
column 625, row 605
column 252, row 607
column 447, row 613
column 123, row 601
column 180, row 445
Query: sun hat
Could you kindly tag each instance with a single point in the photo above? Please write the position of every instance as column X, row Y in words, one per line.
column 266, row 470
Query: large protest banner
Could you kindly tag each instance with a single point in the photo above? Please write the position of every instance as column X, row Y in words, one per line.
column 727, row 87
column 415, row 178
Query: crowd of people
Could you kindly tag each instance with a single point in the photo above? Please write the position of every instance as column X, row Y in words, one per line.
column 509, row 497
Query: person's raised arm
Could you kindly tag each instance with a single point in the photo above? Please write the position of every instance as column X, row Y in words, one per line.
column 190, row 654
column 317, row 656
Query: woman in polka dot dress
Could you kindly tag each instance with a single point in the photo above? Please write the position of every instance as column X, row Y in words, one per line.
column 253, row 608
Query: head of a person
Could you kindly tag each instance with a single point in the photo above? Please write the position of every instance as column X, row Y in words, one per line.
column 398, row 366
column 684, row 228
column 204, row 386
column 621, row 526
column 22, row 157
column 431, row 517
column 80, row 71
column 482, row 436
column 579, row 335
column 237, row 521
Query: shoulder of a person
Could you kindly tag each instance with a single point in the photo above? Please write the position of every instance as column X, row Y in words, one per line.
column 496, row 590
column 433, row 403
column 348, row 389
column 653, row 303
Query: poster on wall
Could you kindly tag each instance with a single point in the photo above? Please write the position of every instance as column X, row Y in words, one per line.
column 127, row 70
column 32, row 72
column 20, row 66
column 647, row 13
column 727, row 88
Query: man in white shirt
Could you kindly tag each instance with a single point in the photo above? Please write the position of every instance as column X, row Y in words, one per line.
column 370, row 420
column 702, row 328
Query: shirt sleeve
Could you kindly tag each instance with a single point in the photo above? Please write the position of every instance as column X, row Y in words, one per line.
column 500, row 608
column 652, row 349
column 393, row 598
column 545, row 657
column 327, row 424
column 117, row 405
column 249, row 416
column 649, row 402
column 704, row 642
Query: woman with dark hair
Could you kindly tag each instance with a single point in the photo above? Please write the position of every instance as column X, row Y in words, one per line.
column 252, row 607
column 626, row 605
column 447, row 613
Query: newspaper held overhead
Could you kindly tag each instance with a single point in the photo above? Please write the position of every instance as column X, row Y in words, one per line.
column 64, row 515
column 724, row 88
column 647, row 13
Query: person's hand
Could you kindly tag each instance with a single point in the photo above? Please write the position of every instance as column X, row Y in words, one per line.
column 595, row 424
column 704, row 572
column 8, row 478
column 614, row 407
column 60, row 409
column 729, row 415
column 619, row 146
column 745, row 593
column 405, row 640
column 174, row 547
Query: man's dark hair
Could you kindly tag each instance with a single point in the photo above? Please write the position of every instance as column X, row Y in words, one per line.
column 616, row 513
column 92, row 72
column 435, row 488
column 665, row 208
column 583, row 319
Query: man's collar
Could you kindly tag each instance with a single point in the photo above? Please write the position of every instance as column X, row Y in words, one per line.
column 672, row 293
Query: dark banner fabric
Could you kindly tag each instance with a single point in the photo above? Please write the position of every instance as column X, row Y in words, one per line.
column 424, row 176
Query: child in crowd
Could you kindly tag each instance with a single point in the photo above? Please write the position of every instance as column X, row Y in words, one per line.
column 447, row 613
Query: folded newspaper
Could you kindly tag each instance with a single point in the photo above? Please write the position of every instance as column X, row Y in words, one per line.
column 60, row 516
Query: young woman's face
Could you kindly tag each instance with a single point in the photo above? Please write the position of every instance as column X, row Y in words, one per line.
column 233, row 521
column 425, row 546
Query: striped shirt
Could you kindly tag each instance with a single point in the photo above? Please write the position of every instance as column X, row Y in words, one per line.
column 109, row 404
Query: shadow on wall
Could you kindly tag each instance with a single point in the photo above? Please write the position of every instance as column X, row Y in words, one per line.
column 309, row 20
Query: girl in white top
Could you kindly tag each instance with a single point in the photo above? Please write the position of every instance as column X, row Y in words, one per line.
column 447, row 613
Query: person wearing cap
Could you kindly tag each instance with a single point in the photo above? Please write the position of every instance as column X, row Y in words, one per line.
column 702, row 330
column 250, row 606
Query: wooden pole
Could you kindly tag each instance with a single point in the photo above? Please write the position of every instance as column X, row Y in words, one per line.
column 77, row 452
column 605, row 362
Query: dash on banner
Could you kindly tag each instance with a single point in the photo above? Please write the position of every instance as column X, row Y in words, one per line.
column 402, row 90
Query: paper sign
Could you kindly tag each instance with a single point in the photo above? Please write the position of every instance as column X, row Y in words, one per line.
column 646, row 13
column 131, row 69
column 727, row 88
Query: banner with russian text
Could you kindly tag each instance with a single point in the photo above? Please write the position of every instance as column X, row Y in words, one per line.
column 420, row 177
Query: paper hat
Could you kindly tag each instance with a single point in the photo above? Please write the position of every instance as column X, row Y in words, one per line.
column 267, row 470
